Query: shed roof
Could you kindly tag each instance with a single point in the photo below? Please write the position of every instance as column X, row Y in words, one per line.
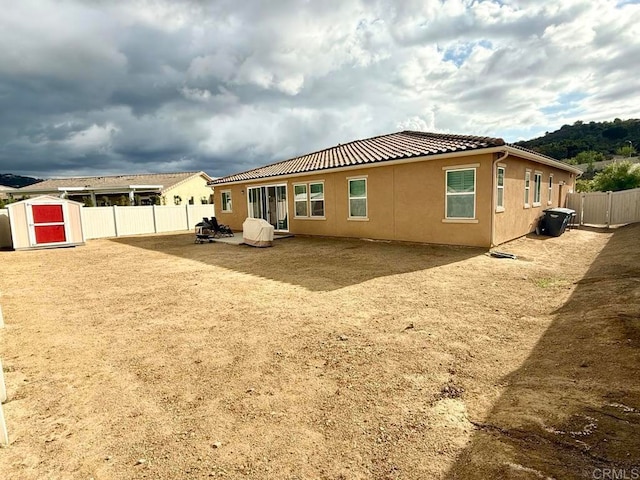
column 43, row 199
column 395, row 146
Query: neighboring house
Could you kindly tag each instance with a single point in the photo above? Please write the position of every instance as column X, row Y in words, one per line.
column 6, row 192
column 408, row 186
column 144, row 189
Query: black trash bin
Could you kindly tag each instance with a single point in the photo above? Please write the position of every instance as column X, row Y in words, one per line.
column 555, row 221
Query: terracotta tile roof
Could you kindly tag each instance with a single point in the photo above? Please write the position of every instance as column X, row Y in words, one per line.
column 394, row 146
column 167, row 180
column 513, row 146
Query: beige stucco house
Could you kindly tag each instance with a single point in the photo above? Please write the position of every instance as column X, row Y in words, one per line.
column 6, row 192
column 406, row 186
column 144, row 189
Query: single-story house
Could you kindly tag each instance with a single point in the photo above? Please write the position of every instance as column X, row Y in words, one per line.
column 407, row 186
column 6, row 192
column 143, row 189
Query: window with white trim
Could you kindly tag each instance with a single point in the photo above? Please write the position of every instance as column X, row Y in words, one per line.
column 500, row 189
column 357, row 198
column 461, row 193
column 226, row 201
column 527, row 188
column 316, row 199
column 300, row 200
column 309, row 199
column 550, row 191
column 537, row 185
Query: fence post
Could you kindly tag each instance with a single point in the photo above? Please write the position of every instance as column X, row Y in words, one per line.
column 153, row 213
column 4, row 436
column 609, row 209
column 115, row 220
column 3, row 386
column 188, row 222
column 582, row 195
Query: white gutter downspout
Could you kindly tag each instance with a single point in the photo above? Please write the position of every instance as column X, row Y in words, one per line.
column 494, row 195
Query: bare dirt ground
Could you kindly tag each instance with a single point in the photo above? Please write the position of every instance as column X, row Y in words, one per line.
column 152, row 357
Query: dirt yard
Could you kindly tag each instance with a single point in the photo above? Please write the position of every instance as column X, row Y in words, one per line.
column 152, row 357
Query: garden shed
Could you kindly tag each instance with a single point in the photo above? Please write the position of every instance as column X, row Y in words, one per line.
column 45, row 222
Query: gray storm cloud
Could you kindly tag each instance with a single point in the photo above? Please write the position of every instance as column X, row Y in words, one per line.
column 92, row 88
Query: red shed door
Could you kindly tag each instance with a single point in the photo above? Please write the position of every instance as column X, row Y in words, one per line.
column 48, row 224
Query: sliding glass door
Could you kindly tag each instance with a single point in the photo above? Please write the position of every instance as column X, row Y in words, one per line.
column 270, row 203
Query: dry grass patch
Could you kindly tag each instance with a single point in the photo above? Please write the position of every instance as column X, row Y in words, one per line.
column 317, row 358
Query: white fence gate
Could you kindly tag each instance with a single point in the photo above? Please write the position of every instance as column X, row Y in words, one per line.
column 103, row 222
column 606, row 208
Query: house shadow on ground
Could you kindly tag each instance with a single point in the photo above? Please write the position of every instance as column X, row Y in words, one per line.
column 315, row 263
column 573, row 409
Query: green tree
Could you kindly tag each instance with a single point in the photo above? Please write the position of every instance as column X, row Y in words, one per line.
column 570, row 140
column 618, row 176
column 589, row 157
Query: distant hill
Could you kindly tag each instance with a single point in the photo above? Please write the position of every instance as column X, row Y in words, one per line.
column 16, row 181
column 603, row 137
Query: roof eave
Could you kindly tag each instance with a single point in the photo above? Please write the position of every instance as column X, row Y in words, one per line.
column 541, row 159
column 102, row 189
column 461, row 153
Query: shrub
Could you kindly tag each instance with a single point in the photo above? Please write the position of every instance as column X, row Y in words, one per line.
column 618, row 176
column 584, row 185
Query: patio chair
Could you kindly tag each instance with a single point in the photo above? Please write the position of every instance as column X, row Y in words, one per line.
column 219, row 229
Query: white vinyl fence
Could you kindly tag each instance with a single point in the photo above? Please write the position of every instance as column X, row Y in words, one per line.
column 101, row 222
column 606, row 208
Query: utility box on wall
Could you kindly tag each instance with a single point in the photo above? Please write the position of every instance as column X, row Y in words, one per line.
column 45, row 222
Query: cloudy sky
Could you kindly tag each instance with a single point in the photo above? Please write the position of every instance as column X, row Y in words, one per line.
column 91, row 87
